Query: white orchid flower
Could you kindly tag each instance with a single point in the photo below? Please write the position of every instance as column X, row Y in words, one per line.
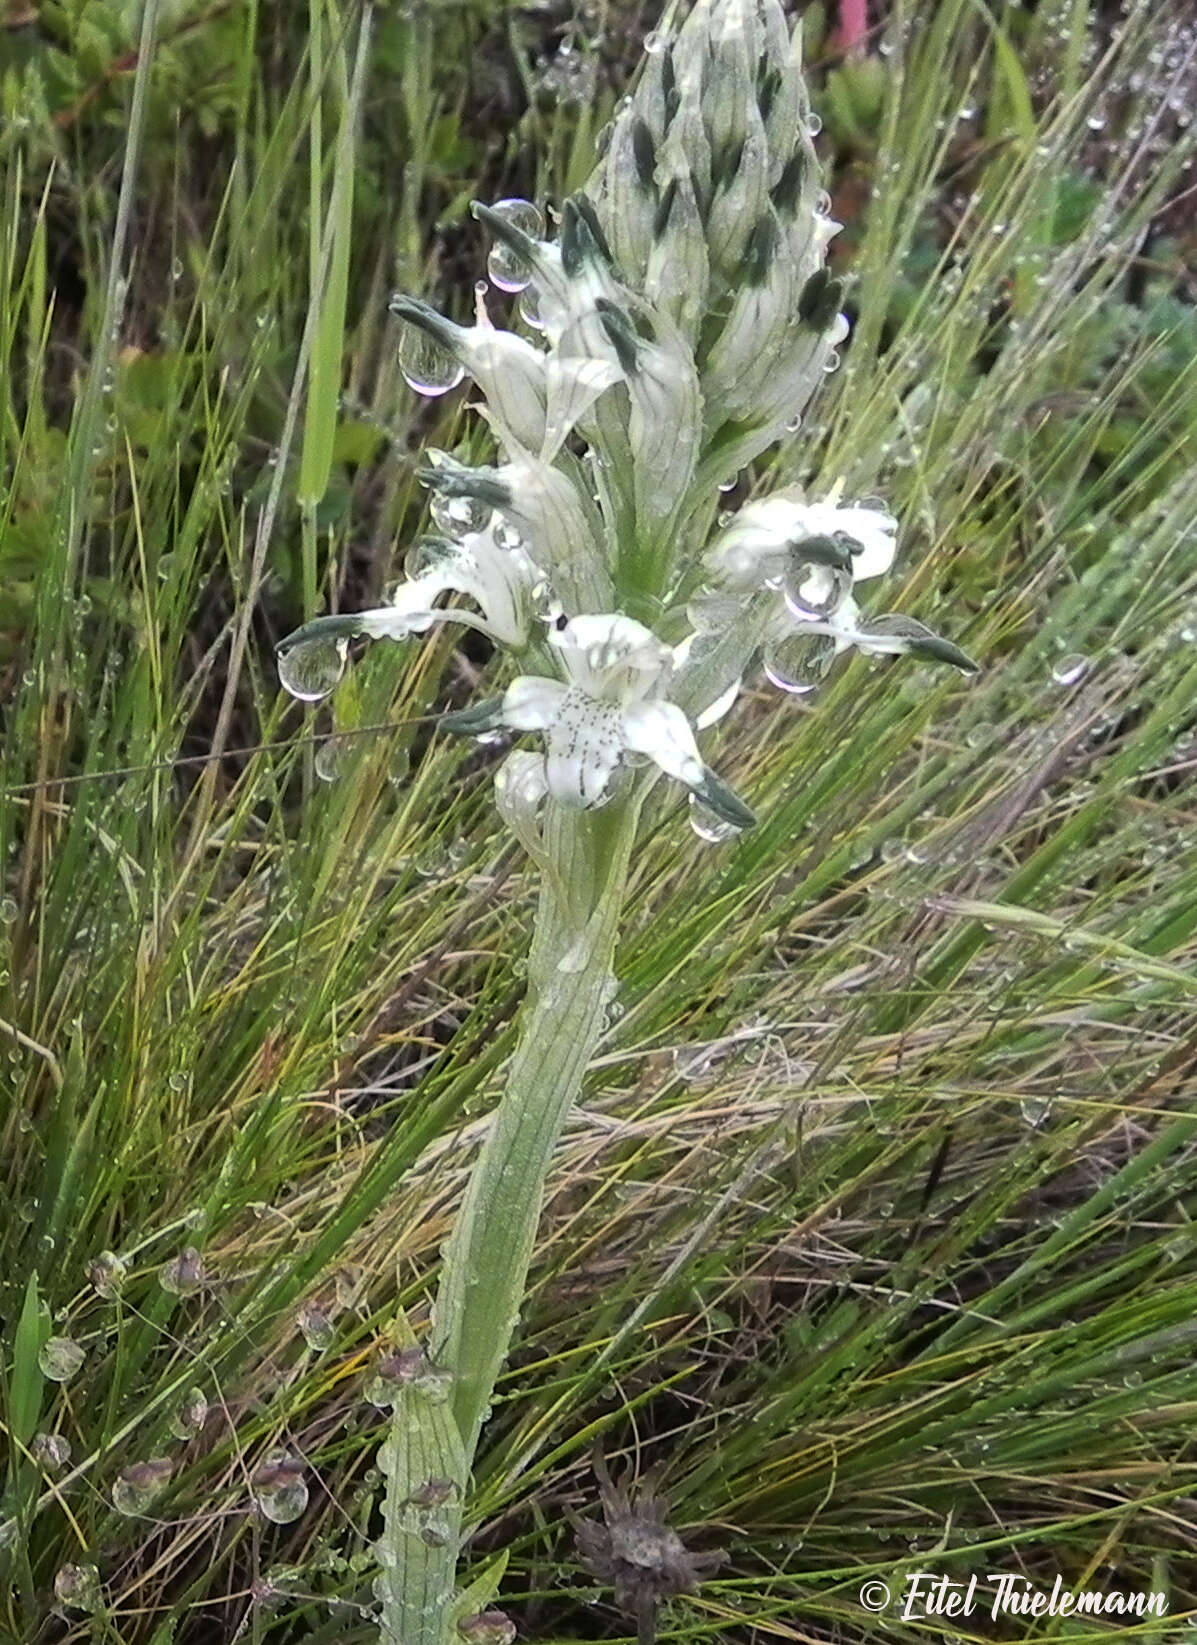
column 533, row 397
column 611, row 703
column 773, row 534
column 500, row 580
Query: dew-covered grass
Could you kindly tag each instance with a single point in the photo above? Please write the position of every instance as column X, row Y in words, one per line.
column 873, row 1231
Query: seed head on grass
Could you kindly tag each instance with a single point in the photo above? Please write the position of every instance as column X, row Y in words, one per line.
column 635, row 1550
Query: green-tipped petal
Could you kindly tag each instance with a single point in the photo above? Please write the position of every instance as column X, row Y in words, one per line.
column 724, row 801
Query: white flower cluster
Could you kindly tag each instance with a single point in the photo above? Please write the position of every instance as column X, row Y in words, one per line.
column 687, row 317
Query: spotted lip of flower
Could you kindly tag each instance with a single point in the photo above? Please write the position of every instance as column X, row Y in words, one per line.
column 611, row 703
column 500, row 581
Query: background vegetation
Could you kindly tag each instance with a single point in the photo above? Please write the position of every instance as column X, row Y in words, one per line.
column 874, row 1233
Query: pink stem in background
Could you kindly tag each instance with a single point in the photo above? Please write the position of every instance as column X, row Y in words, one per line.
column 852, row 29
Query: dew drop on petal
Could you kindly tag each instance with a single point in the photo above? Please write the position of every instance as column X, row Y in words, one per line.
column 1070, row 670
column 529, row 309
column 311, row 669
column 506, row 270
column 426, row 366
column 796, row 663
column 59, row 1359
column 506, row 536
column 710, row 828
column 279, row 1488
column 456, row 517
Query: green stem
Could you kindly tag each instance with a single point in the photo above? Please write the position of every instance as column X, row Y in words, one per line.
column 485, row 1265
column 571, row 983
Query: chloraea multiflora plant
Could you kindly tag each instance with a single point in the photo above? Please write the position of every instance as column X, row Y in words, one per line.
column 685, row 317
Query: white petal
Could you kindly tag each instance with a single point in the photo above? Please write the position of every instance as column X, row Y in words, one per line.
column 532, row 702
column 872, row 529
column 585, row 744
column 721, row 706
column 413, row 605
column 573, row 387
column 663, row 732
column 607, row 651
column 510, row 371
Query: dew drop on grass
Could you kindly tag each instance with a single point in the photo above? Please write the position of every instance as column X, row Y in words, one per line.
column 709, row 827
column 311, row 669
column 59, row 1359
column 183, row 1275
column 189, row 1415
column 814, row 125
column 279, row 1488
column 52, row 1451
column 505, row 268
column 136, row 1489
column 315, row 1327
column 1071, row 669
column 426, row 366
column 77, row 1588
column 108, row 1274
column 330, row 758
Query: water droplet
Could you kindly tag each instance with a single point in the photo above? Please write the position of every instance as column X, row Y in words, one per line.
column 505, row 269
column 279, row 1487
column 183, row 1275
column 426, row 366
column 814, row 125
column 315, row 1327
column 190, row 1414
column 798, row 662
column 58, row 1359
column 710, row 827
column 53, row 1451
column 1069, row 670
column 108, row 1274
column 456, row 516
column 311, row 669
column 136, row 1489
column 813, row 592
column 529, row 309
column 8, row 909
column 655, row 40
column 832, row 362
column 1034, row 1110
column 506, row 536
column 330, row 759
column 794, row 424
column 77, row 1588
